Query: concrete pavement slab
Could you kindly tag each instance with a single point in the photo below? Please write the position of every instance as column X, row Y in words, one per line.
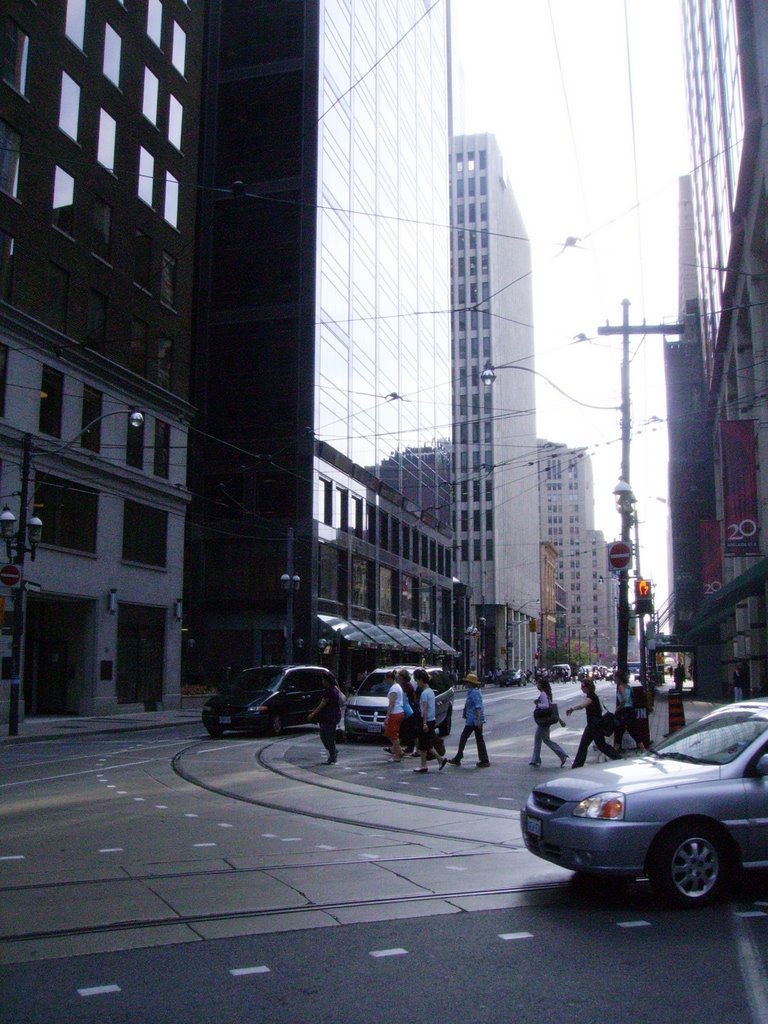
column 96, row 942
column 340, row 883
column 238, row 892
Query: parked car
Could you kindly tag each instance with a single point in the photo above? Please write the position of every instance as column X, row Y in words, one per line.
column 367, row 705
column 267, row 698
column 688, row 815
column 513, row 677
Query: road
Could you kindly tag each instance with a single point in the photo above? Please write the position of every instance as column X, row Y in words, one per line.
column 144, row 870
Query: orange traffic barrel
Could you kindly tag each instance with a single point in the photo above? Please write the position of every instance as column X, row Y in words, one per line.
column 676, row 712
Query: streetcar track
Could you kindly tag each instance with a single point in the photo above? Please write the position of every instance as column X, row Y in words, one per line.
column 335, row 818
column 553, row 889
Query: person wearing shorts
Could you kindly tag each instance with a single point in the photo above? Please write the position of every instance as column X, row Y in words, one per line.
column 395, row 715
column 427, row 735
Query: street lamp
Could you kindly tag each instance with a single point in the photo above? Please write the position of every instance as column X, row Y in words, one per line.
column 481, row 654
column 471, row 633
column 625, row 500
column 290, row 583
column 29, row 530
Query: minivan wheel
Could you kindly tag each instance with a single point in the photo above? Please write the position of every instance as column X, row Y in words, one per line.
column 689, row 865
column 275, row 724
column 445, row 728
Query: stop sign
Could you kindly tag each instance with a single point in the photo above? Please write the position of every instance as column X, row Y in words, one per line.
column 619, row 555
column 10, row 575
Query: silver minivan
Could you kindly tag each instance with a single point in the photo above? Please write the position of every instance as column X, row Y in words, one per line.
column 366, row 707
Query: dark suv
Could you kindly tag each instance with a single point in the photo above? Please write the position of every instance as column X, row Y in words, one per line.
column 267, row 698
column 367, row 707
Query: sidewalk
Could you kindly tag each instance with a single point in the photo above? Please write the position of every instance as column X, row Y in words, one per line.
column 49, row 727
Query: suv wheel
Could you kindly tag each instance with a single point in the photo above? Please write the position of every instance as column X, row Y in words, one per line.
column 275, row 724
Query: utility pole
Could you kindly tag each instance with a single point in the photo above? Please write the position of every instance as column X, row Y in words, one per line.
column 17, row 637
column 626, row 511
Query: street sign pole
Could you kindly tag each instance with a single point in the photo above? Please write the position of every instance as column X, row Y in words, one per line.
column 20, row 596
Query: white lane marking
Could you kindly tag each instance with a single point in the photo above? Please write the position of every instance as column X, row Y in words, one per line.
column 162, row 807
column 13, row 856
column 268, row 835
column 238, row 972
column 513, row 936
column 224, row 824
column 751, row 913
column 98, row 990
column 436, row 789
column 111, row 849
column 291, row 839
column 215, row 750
column 634, row 924
column 112, row 786
column 196, row 845
column 511, row 798
column 324, row 846
column 753, row 973
column 72, row 775
column 122, row 792
column 471, row 794
column 139, row 799
column 188, row 815
column 453, row 867
column 388, row 952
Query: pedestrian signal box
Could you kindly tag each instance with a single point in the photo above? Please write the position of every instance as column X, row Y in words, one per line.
column 643, row 597
column 533, row 626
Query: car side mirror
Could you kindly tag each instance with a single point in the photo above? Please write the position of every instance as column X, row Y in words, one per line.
column 761, row 768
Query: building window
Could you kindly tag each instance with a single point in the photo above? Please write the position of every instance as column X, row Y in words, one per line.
column 146, row 181
column 90, row 427
column 155, row 21
column 164, row 362
column 179, row 51
column 168, row 280
column 134, row 446
column 162, row 449
column 69, row 511
column 10, row 148
column 142, row 260
column 3, row 376
column 357, row 505
column 145, row 531
column 137, row 360
column 149, row 101
column 101, row 229
column 171, row 212
column 69, row 106
column 15, row 57
column 6, row 265
column 97, row 320
column 175, row 121
column 105, row 147
column 113, row 45
column 74, row 25
column 326, row 502
column 58, row 297
column 51, row 398
column 64, row 201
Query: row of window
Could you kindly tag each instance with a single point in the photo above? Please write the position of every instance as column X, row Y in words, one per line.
column 470, row 188
column 352, row 514
column 51, row 413
column 477, row 550
column 470, row 160
column 70, row 515
column 74, row 29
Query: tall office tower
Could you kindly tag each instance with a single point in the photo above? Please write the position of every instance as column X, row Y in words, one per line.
column 323, row 344
column 588, row 629
column 495, row 482
column 726, row 61
column 99, row 104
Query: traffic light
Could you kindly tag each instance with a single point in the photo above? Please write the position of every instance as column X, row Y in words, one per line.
column 643, row 597
column 533, row 626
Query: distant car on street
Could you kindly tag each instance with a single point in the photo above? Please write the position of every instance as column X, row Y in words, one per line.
column 513, row 677
column 366, row 706
column 265, row 699
column 689, row 815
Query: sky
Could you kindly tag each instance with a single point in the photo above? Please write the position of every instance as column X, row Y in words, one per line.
column 586, row 100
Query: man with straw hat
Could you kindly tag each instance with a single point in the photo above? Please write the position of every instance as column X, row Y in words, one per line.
column 474, row 719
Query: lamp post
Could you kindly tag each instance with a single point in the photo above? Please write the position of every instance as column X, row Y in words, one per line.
column 28, row 530
column 481, row 654
column 624, row 501
column 290, row 583
column 471, row 633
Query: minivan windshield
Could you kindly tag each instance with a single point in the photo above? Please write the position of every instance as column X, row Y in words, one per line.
column 715, row 740
column 376, row 684
column 254, row 680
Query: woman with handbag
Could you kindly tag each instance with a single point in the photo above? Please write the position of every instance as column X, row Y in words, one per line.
column 545, row 716
column 593, row 732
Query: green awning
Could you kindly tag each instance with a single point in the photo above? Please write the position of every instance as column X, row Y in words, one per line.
column 716, row 607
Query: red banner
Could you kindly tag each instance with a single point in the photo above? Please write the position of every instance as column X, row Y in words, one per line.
column 711, row 556
column 737, row 444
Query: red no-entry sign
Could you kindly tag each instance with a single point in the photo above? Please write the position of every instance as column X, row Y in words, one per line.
column 619, row 555
column 10, row 575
